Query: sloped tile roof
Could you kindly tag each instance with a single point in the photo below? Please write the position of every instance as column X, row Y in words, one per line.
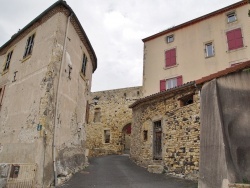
column 162, row 93
column 235, row 68
column 196, row 20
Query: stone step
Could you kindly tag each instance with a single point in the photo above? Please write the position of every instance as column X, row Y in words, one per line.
column 157, row 169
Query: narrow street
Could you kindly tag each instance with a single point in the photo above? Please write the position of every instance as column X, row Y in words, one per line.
column 116, row 171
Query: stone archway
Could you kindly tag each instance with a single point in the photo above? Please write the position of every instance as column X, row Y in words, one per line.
column 126, row 132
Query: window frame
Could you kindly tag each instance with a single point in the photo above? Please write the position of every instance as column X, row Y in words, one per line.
column 164, row 83
column 207, row 54
column 169, row 37
column 7, row 61
column 231, row 15
column 29, row 46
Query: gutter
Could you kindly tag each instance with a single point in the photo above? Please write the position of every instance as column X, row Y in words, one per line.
column 57, row 103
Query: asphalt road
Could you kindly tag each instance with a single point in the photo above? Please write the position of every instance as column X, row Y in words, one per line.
column 117, row 171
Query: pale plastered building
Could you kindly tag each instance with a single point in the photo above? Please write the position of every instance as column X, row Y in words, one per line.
column 199, row 47
column 46, row 71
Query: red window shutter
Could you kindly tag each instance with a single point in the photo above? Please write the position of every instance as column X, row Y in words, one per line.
column 234, row 39
column 162, row 85
column 238, row 38
column 170, row 56
column 179, row 80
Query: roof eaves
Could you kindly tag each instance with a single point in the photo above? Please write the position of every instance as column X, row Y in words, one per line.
column 224, row 72
column 159, row 94
column 57, row 3
column 209, row 15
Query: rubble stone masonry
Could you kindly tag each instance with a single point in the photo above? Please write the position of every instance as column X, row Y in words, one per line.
column 111, row 115
column 180, row 139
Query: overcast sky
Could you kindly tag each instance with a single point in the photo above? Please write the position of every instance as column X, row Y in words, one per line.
column 115, row 29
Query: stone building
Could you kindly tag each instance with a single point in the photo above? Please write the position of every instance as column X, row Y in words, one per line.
column 109, row 123
column 166, row 131
column 209, row 43
column 44, row 85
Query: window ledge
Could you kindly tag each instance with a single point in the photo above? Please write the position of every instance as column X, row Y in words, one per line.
column 165, row 68
column 207, row 57
column 242, row 48
column 26, row 58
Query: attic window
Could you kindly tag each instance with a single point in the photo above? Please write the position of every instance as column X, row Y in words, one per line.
column 231, row 17
column 170, row 38
column 186, row 100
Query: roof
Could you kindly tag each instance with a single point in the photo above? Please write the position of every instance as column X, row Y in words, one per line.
column 162, row 93
column 196, row 20
column 61, row 4
column 235, row 68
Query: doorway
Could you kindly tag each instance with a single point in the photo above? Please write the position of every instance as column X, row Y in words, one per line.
column 157, row 143
column 126, row 132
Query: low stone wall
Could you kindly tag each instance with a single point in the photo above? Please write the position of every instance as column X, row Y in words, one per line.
column 180, row 132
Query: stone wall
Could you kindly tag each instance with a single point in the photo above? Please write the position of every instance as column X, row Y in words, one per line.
column 112, row 114
column 180, row 131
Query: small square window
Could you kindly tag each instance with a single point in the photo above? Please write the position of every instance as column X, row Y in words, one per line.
column 170, row 38
column 231, row 17
column 209, row 49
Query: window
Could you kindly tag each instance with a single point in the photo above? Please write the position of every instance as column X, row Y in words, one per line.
column 97, row 115
column 186, row 100
column 7, row 63
column 106, row 136
column 209, row 49
column 231, row 17
column 170, row 83
column 170, row 57
column 1, row 95
column 84, row 64
column 29, row 46
column 234, row 39
column 170, row 38
column 145, row 135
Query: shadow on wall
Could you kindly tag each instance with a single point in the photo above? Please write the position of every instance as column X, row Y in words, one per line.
column 225, row 131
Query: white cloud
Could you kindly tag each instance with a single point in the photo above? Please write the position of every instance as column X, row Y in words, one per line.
column 114, row 28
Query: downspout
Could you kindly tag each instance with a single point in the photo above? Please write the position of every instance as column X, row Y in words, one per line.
column 57, row 103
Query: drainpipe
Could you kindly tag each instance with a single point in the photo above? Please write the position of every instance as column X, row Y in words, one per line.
column 57, row 103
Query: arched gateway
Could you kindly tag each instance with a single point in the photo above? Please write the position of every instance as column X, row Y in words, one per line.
column 126, row 132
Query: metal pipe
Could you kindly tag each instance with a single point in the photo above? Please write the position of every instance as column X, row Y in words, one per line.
column 57, row 102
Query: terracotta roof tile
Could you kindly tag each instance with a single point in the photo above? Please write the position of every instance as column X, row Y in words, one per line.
column 236, row 68
column 162, row 93
column 196, row 20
